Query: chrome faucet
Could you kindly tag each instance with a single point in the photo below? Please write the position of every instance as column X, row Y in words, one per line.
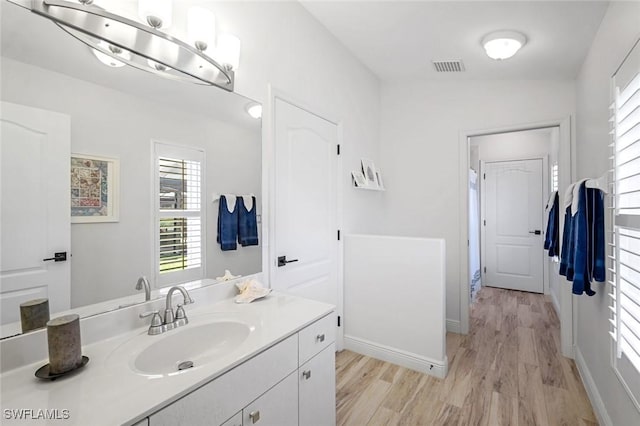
column 172, row 321
column 144, row 282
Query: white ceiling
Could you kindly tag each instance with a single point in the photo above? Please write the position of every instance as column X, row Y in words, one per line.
column 399, row 39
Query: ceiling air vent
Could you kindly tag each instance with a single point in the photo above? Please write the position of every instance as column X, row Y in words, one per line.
column 449, row 66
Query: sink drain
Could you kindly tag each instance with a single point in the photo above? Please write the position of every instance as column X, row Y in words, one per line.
column 184, row 365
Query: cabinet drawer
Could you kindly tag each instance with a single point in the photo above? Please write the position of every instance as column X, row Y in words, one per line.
column 220, row 399
column 316, row 337
column 277, row 407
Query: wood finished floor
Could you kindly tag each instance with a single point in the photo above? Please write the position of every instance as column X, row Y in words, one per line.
column 507, row 371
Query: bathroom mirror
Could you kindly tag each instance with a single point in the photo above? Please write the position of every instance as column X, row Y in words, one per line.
column 121, row 114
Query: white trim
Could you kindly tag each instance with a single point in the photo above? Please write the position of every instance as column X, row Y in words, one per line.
column 565, row 164
column 268, row 163
column 453, row 326
column 592, row 390
column 395, row 356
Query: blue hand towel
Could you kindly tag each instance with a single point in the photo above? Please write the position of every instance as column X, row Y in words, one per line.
column 247, row 223
column 227, row 225
column 566, row 261
column 552, row 238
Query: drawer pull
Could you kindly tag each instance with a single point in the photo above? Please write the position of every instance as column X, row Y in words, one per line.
column 320, row 338
column 306, row 374
column 254, row 416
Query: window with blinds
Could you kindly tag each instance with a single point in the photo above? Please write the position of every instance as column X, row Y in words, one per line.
column 625, row 223
column 554, row 177
column 180, row 248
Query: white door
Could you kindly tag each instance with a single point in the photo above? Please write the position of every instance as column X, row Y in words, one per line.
column 513, row 216
column 305, row 247
column 35, row 212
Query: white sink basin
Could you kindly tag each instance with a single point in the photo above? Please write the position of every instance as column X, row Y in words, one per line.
column 184, row 348
column 196, row 343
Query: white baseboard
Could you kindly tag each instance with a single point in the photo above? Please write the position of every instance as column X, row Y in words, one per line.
column 556, row 303
column 453, row 326
column 592, row 390
column 395, row 356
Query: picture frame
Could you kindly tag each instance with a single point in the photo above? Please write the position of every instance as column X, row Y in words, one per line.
column 379, row 179
column 94, row 189
column 369, row 172
column 358, row 179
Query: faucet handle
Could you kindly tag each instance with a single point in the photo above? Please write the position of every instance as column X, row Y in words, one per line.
column 156, row 320
column 181, row 317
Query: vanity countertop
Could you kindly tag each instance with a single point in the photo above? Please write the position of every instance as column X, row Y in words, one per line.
column 107, row 390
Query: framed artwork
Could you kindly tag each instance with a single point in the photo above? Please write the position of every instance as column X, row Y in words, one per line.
column 369, row 171
column 358, row 179
column 94, row 189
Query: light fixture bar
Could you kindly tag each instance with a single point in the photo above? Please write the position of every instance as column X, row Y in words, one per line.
column 93, row 25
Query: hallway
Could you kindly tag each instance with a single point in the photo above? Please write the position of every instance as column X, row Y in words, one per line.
column 508, row 371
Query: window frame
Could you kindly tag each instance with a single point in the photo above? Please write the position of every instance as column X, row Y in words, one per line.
column 628, row 374
column 169, row 150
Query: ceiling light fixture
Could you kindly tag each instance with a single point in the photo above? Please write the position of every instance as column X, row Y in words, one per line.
column 170, row 57
column 503, row 44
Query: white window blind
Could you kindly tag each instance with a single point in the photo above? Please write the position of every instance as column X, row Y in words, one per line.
column 179, row 214
column 624, row 253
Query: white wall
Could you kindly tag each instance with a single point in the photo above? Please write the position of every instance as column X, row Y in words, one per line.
column 421, row 122
column 108, row 258
column 618, row 32
column 394, row 301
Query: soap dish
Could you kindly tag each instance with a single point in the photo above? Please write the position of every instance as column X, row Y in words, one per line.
column 44, row 373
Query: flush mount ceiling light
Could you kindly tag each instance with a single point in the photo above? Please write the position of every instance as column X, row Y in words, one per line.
column 503, row 44
column 148, row 48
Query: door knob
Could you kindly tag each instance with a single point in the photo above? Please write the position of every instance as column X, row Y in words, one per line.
column 537, row 232
column 57, row 257
column 282, row 261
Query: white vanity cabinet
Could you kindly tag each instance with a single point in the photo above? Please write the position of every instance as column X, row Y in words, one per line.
column 290, row 383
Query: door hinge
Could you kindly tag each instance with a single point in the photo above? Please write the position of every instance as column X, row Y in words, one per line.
column 484, row 222
column 484, row 176
column 338, row 235
column 338, row 320
column 485, row 269
column 338, row 149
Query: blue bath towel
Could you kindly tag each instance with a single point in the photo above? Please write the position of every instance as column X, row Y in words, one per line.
column 589, row 260
column 227, row 225
column 247, row 223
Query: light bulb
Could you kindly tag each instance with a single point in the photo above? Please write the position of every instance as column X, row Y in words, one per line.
column 156, row 13
column 228, row 51
column 201, row 27
column 110, row 60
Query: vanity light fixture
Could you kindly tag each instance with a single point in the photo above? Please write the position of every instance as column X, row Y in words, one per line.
column 112, row 34
column 254, row 110
column 503, row 44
